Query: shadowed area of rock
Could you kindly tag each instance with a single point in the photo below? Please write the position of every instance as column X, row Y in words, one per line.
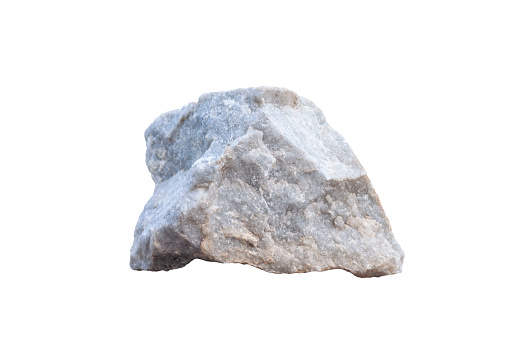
column 256, row 176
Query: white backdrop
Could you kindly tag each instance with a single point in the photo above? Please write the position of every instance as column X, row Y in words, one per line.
column 418, row 89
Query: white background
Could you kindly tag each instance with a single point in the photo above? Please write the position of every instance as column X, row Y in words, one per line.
column 420, row 89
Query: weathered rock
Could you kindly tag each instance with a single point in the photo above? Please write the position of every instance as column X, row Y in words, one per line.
column 256, row 176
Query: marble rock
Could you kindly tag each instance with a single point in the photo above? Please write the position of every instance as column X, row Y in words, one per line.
column 257, row 176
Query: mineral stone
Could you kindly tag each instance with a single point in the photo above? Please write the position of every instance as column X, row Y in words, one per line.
column 257, row 176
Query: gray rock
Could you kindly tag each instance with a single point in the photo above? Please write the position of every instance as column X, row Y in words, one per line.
column 256, row 176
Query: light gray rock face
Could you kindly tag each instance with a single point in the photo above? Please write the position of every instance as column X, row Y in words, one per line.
column 256, row 176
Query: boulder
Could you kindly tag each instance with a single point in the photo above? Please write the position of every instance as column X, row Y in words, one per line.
column 257, row 176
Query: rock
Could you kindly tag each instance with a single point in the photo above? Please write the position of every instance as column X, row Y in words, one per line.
column 256, row 176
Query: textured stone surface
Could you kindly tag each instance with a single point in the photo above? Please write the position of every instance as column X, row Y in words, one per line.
column 257, row 176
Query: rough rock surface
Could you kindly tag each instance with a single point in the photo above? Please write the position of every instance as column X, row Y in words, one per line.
column 256, row 176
